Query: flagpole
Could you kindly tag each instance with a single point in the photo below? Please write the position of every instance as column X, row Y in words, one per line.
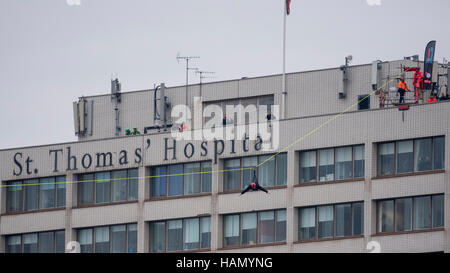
column 283, row 84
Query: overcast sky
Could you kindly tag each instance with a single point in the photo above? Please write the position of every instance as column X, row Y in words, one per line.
column 51, row 53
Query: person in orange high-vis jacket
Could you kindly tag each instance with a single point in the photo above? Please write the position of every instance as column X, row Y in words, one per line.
column 418, row 86
column 402, row 88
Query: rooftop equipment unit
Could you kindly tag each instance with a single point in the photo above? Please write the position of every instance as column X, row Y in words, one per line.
column 376, row 66
column 82, row 116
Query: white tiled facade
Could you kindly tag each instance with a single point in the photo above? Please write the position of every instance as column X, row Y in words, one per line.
column 312, row 99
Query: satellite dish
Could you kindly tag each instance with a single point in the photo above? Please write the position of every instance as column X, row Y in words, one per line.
column 350, row 58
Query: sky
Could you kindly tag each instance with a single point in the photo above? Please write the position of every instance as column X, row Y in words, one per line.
column 54, row 51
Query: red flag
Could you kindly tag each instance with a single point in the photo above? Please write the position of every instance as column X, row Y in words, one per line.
column 288, row 7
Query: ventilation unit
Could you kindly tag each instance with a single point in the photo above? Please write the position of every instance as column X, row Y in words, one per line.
column 82, row 115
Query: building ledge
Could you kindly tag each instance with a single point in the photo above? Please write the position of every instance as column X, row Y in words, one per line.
column 307, row 184
column 315, row 240
column 407, row 174
column 32, row 211
column 104, row 204
column 251, row 246
column 407, row 232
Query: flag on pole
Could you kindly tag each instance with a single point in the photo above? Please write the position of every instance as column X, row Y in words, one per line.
column 288, row 7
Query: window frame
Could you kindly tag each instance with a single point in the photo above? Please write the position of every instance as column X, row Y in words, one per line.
column 38, row 240
column 241, row 166
column 258, row 237
column 109, row 234
column 167, row 196
column 111, row 188
column 414, row 172
column 335, row 180
column 412, row 230
column 23, row 184
column 166, row 229
column 316, row 222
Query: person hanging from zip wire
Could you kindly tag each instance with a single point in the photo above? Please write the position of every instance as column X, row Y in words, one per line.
column 254, row 185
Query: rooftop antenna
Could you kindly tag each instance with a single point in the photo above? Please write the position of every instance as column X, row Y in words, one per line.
column 200, row 73
column 187, row 58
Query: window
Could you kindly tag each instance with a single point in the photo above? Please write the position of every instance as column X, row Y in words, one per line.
column 157, row 237
column 331, row 221
column 101, row 240
column 332, row 164
column 248, row 228
column 231, row 230
column 411, row 213
column 119, row 185
column 358, row 161
column 267, row 227
column 308, row 166
column 266, row 102
column 254, row 228
column 410, row 156
column 181, row 179
column 438, row 153
column 270, row 174
column 43, row 242
column 30, row 243
column 205, row 232
column 206, row 176
column 47, row 193
column 326, row 165
column 191, row 238
column 192, row 181
column 181, row 234
column 175, row 179
column 364, row 102
column 422, row 212
column 108, row 187
column 108, row 239
column 14, row 196
column 343, row 163
column 31, row 194
column 405, row 156
column 343, row 223
column 325, row 221
column 386, row 158
column 14, row 244
column 307, row 228
column 36, row 194
column 386, row 216
column 102, row 187
column 403, row 214
column 118, row 239
column 358, row 218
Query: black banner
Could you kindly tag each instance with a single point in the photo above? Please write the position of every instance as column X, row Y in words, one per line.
column 428, row 65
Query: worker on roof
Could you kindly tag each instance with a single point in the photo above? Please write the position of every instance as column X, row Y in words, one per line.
column 431, row 99
column 127, row 132
column 402, row 88
column 418, row 86
column 135, row 132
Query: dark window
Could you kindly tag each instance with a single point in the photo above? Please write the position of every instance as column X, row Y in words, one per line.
column 364, row 102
